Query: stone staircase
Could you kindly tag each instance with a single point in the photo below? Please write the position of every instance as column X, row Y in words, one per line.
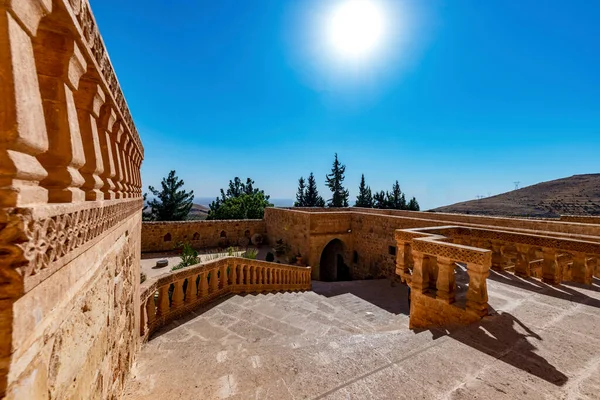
column 341, row 346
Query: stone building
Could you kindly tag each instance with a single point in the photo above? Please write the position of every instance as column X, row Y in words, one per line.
column 74, row 316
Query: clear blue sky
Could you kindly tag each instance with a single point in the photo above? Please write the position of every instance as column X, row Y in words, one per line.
column 474, row 96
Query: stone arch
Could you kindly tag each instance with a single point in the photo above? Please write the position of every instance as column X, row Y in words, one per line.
column 223, row 234
column 167, row 237
column 332, row 266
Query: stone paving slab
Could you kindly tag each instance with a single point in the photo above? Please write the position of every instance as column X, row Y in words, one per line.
column 345, row 343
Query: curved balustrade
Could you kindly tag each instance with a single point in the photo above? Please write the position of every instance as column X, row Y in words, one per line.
column 172, row 295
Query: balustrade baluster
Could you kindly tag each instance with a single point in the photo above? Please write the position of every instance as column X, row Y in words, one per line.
column 143, row 319
column 163, row 301
column 203, row 292
column 55, row 50
column 89, row 99
column 223, row 276
column 233, row 278
column 254, row 277
column 22, row 124
column 151, row 309
column 214, row 280
column 106, row 122
column 177, row 297
column 191, row 290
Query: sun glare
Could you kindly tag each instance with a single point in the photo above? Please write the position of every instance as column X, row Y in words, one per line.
column 356, row 29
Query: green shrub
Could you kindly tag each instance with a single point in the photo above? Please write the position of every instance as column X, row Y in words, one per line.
column 189, row 256
column 250, row 254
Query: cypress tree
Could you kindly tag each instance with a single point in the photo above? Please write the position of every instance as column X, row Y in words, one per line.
column 394, row 199
column 364, row 198
column 334, row 182
column 172, row 203
column 300, row 196
column 311, row 197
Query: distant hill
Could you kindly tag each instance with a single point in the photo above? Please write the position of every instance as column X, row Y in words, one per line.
column 198, row 211
column 576, row 195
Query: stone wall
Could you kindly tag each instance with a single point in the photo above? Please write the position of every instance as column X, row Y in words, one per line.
column 166, row 236
column 70, row 207
column 368, row 234
column 74, row 333
column 584, row 219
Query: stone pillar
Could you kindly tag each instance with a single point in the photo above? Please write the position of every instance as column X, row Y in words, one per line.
column 446, row 280
column 125, row 143
column 498, row 261
column 582, row 272
column 214, row 280
column 522, row 264
column 551, row 273
column 432, row 268
column 22, row 123
column 420, row 276
column 60, row 65
column 105, row 125
column 150, row 309
column 89, row 98
column 477, row 296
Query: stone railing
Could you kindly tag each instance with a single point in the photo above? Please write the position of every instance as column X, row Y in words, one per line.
column 67, row 134
column 175, row 294
column 427, row 259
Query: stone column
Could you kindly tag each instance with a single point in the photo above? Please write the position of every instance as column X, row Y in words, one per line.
column 498, row 261
column 125, row 162
column 105, row 125
column 177, row 297
column 446, row 280
column 477, row 296
column 551, row 273
column 22, row 124
column 89, row 98
column 60, row 65
column 190, row 290
column 522, row 264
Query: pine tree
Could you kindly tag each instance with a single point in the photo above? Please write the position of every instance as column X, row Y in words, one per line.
column 172, row 203
column 380, row 200
column 311, row 197
column 300, row 196
column 334, row 182
column 364, row 198
column 394, row 198
column 413, row 205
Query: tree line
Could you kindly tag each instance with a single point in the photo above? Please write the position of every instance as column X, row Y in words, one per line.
column 242, row 200
column 307, row 194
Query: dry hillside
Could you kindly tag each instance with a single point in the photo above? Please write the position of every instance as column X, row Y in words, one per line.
column 577, row 195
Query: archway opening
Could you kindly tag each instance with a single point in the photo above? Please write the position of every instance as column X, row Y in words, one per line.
column 332, row 265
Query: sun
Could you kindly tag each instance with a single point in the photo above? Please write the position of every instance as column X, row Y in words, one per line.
column 356, row 29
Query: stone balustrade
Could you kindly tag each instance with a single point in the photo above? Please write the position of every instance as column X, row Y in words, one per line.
column 427, row 258
column 175, row 294
column 67, row 134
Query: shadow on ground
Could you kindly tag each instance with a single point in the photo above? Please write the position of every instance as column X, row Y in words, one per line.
column 383, row 293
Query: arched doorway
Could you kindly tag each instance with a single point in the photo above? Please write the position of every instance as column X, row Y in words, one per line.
column 332, row 266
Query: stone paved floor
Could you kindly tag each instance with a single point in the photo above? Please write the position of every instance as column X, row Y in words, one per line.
column 541, row 343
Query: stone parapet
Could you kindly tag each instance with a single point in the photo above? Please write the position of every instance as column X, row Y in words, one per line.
column 168, row 235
